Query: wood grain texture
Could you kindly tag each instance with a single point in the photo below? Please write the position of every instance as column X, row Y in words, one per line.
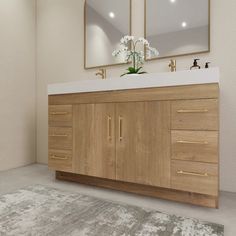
column 60, row 160
column 196, row 184
column 199, row 146
column 143, row 154
column 60, row 115
column 60, row 138
column 134, row 95
column 208, row 120
column 94, row 143
column 157, row 192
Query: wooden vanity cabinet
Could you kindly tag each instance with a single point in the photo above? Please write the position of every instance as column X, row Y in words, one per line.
column 160, row 142
column 94, row 140
column 143, row 143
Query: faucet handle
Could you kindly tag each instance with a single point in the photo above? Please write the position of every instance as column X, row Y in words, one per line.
column 172, row 65
column 102, row 72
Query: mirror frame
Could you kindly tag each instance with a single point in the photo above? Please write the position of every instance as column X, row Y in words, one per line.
column 85, row 39
column 179, row 55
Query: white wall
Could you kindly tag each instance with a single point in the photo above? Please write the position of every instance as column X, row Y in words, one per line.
column 60, row 59
column 17, row 83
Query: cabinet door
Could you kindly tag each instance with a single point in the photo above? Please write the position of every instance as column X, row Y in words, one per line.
column 94, row 140
column 143, row 143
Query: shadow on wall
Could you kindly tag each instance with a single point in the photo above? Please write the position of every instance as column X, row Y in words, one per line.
column 181, row 42
column 102, row 39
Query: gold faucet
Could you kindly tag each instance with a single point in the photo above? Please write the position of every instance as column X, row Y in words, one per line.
column 102, row 73
column 172, row 65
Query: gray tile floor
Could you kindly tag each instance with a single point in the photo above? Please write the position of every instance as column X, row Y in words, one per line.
column 39, row 174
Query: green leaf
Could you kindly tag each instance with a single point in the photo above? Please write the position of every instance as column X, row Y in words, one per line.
column 143, row 72
column 138, row 69
column 124, row 74
column 131, row 69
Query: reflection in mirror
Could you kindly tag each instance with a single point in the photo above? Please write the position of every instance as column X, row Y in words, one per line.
column 106, row 22
column 178, row 27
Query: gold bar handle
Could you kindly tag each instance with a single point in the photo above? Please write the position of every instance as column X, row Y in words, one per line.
column 55, row 157
column 109, row 135
column 120, row 128
column 58, row 113
column 59, row 135
column 181, row 172
column 192, row 142
column 193, row 111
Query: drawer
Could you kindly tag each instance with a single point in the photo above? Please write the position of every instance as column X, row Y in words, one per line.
column 60, row 160
column 199, row 146
column 60, row 115
column 60, row 138
column 195, row 177
column 195, row 114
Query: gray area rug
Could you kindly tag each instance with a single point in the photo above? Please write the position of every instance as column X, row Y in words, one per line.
column 41, row 211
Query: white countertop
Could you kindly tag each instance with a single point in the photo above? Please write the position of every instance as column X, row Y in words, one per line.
column 203, row 76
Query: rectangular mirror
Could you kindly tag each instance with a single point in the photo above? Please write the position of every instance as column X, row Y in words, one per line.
column 106, row 22
column 177, row 27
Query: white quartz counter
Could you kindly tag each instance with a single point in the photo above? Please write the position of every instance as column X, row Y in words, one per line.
column 203, row 76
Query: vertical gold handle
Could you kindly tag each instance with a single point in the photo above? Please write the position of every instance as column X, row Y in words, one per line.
column 120, row 128
column 109, row 135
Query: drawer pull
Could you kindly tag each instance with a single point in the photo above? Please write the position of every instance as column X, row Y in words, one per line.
column 193, row 111
column 58, row 113
column 59, row 135
column 109, row 128
column 120, row 128
column 192, row 142
column 181, row 172
column 55, row 157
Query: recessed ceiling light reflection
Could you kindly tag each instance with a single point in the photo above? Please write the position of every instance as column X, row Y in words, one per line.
column 172, row 1
column 112, row 14
column 184, row 24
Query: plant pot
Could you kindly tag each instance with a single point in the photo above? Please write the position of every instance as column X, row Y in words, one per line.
column 131, row 75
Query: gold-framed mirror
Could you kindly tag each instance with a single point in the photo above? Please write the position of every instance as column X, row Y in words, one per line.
column 105, row 23
column 177, row 27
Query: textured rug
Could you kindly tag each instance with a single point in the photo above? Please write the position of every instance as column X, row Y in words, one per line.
column 41, row 211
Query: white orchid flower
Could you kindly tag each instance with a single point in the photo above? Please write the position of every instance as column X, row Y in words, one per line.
column 132, row 54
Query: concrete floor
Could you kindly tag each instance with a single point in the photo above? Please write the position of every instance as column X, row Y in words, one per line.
column 39, row 174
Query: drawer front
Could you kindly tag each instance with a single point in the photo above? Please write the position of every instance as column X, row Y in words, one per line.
column 195, row 177
column 199, row 146
column 60, row 160
column 60, row 115
column 195, row 114
column 60, row 138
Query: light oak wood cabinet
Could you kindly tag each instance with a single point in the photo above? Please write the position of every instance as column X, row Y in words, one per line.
column 160, row 142
column 143, row 143
column 94, row 140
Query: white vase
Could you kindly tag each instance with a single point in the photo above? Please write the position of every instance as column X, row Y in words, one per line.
column 132, row 75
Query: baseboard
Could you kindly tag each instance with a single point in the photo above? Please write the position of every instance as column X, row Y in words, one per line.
column 162, row 193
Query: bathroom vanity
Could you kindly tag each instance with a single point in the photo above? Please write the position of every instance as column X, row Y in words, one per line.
column 155, row 135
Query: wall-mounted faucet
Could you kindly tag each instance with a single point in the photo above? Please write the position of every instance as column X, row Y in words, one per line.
column 172, row 65
column 102, row 73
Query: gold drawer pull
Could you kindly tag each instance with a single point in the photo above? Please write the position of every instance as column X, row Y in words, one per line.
column 59, row 135
column 58, row 113
column 193, row 142
column 181, row 172
column 55, row 157
column 193, row 111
